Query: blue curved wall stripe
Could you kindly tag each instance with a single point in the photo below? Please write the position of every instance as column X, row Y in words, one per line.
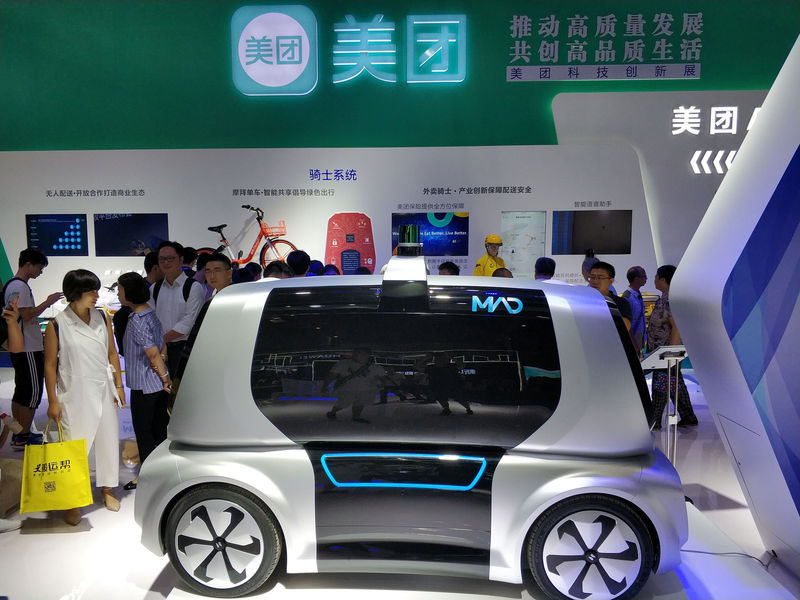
column 761, row 313
column 768, row 243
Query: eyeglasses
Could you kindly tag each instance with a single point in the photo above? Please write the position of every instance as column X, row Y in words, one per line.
column 597, row 277
column 168, row 258
column 216, row 271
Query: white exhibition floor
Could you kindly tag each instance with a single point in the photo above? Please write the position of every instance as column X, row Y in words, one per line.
column 102, row 559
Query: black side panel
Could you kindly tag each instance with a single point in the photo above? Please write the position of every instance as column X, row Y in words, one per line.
column 635, row 364
column 392, row 506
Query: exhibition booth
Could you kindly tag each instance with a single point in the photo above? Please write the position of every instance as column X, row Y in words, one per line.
column 562, row 127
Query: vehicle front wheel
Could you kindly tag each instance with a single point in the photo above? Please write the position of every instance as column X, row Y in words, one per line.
column 590, row 546
column 222, row 541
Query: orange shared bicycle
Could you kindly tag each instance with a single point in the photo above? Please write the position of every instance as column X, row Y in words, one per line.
column 274, row 248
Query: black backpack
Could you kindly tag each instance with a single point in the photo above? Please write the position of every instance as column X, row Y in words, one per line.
column 187, row 288
column 120, row 321
column 3, row 331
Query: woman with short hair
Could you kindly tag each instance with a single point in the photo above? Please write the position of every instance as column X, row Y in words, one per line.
column 145, row 371
column 84, row 382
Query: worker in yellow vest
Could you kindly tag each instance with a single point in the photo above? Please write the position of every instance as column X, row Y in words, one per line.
column 487, row 263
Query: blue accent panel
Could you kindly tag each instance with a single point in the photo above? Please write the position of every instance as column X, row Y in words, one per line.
column 769, row 242
column 562, row 228
column 759, row 335
column 761, row 314
column 320, row 398
column 781, row 428
column 388, row 484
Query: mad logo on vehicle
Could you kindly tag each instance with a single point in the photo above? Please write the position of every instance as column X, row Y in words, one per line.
column 491, row 303
column 274, row 50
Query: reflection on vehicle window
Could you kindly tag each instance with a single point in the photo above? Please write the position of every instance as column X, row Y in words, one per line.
column 364, row 375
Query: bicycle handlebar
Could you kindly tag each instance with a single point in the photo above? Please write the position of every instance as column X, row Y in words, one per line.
column 255, row 209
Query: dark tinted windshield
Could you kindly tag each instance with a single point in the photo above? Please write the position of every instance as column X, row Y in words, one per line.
column 185, row 352
column 475, row 368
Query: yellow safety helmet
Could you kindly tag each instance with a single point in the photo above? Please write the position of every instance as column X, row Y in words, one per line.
column 493, row 238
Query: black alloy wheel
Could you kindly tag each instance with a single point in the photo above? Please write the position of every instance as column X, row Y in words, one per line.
column 590, row 547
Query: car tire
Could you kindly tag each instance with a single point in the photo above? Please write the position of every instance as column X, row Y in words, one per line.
column 590, row 546
column 222, row 541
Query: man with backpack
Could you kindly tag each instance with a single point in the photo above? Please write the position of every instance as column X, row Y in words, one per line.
column 28, row 364
column 177, row 300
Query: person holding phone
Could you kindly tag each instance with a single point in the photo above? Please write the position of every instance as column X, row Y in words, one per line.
column 28, row 364
column 84, row 381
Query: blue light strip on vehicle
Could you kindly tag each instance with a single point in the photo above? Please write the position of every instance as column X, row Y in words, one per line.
column 321, row 398
column 425, row 486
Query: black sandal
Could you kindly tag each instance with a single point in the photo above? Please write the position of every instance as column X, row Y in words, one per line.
column 131, row 485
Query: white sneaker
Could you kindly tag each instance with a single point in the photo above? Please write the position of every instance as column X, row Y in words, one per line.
column 9, row 525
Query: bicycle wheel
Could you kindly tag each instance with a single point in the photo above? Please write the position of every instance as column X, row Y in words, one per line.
column 205, row 250
column 277, row 251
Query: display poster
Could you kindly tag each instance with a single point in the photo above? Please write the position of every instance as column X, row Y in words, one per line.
column 444, row 237
column 523, row 234
column 602, row 231
column 441, row 234
column 58, row 235
column 126, row 234
column 350, row 244
column 343, row 204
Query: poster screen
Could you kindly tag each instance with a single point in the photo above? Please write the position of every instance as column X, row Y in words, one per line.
column 126, row 234
column 604, row 231
column 58, row 235
column 441, row 234
column 523, row 234
column 350, row 244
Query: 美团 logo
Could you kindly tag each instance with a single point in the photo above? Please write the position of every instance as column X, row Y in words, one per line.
column 436, row 50
column 274, row 50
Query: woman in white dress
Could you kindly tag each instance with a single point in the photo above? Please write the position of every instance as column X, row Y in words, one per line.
column 83, row 380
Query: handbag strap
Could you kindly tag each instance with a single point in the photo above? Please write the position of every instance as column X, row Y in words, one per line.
column 47, row 429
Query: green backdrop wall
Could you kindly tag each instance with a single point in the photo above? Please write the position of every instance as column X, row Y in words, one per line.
column 106, row 74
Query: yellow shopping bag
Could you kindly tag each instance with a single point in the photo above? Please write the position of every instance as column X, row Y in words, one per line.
column 55, row 476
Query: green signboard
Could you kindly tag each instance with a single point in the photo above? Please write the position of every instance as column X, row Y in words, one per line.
column 105, row 74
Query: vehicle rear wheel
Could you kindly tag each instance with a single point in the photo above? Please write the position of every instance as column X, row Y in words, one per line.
column 279, row 250
column 590, row 546
column 222, row 541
